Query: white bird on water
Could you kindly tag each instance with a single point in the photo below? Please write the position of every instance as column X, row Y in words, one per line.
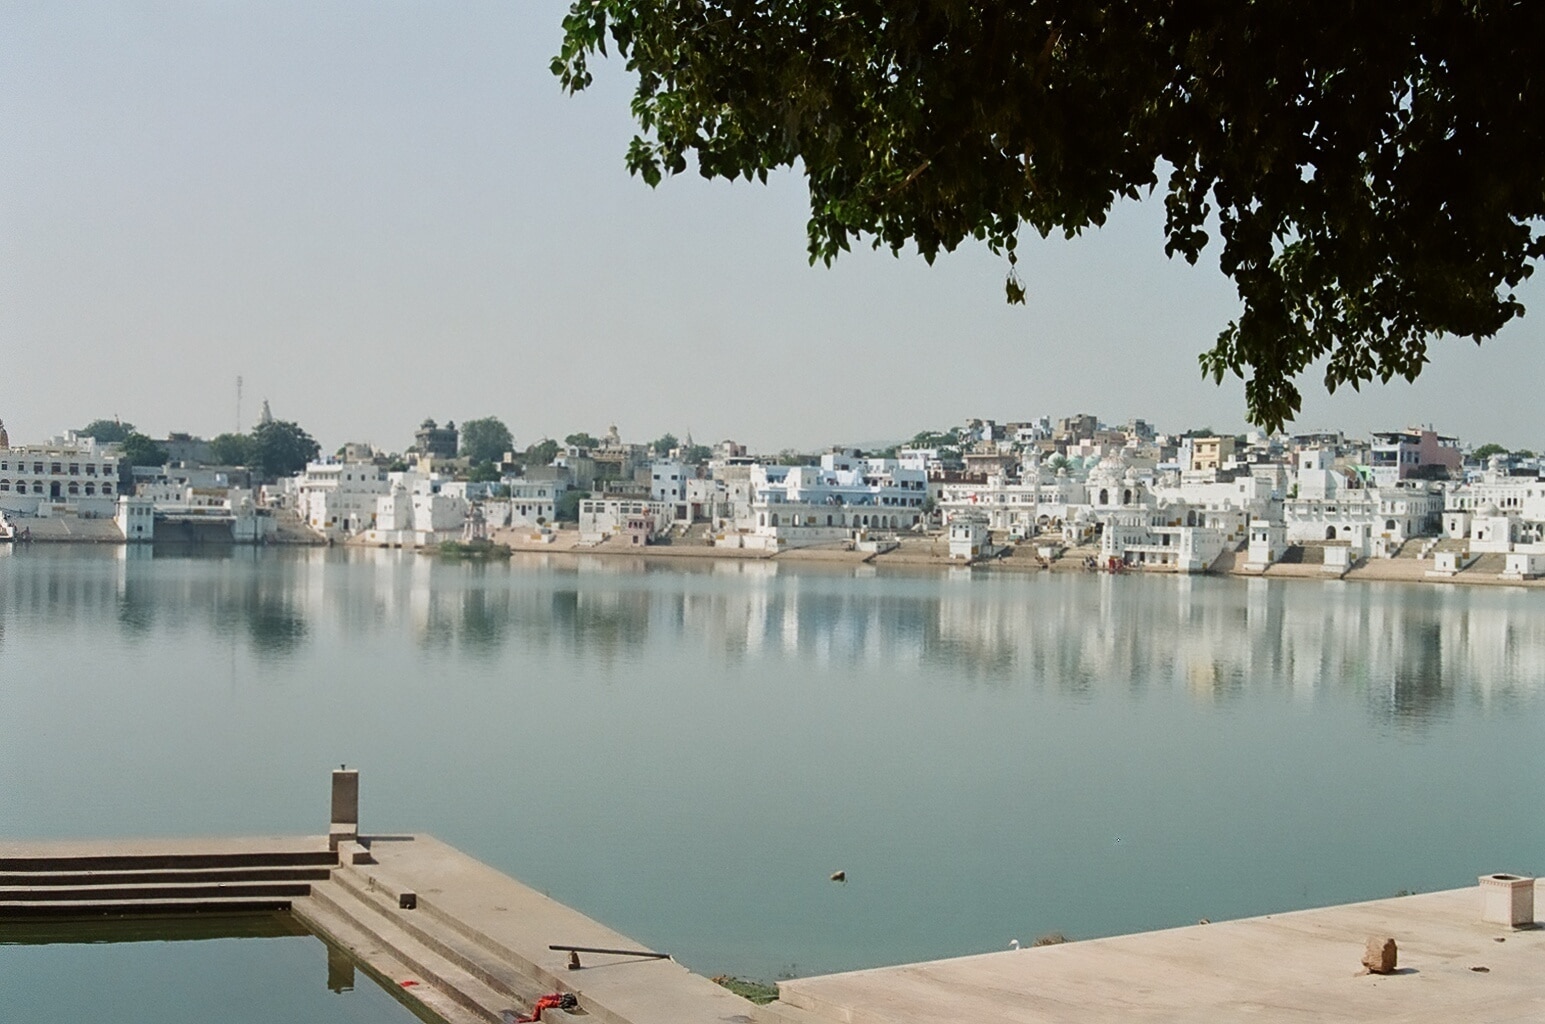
column 1013, row 943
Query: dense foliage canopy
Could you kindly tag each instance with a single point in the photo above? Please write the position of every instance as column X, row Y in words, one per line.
column 111, row 431
column 137, row 449
column 542, row 453
column 280, row 448
column 1374, row 170
column 486, row 439
column 230, row 449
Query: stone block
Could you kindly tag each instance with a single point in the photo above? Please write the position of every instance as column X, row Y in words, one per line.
column 350, row 851
column 341, row 833
column 1507, row 900
column 1379, row 955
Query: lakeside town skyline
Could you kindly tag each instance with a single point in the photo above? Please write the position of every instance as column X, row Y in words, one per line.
column 1044, row 491
column 869, row 443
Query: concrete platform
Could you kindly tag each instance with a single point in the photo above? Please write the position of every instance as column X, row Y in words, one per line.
column 476, row 923
column 462, row 943
column 1296, row 967
column 449, row 936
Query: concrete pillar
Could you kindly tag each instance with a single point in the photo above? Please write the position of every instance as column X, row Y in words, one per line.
column 346, row 796
column 345, row 819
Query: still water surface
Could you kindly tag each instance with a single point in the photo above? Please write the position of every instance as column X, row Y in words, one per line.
column 687, row 752
column 250, row 968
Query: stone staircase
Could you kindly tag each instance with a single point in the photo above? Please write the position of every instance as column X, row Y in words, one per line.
column 456, row 971
column 1489, row 563
column 149, row 878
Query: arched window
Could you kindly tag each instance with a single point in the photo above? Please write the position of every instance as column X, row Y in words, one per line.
column 74, row 487
column 1104, row 496
column 5, row 486
column 1389, row 524
column 1330, row 533
column 91, row 489
column 107, row 488
column 1126, row 496
column 37, row 487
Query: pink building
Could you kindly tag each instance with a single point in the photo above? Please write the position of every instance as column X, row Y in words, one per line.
column 1402, row 454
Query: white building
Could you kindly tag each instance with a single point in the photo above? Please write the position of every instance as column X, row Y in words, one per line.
column 706, row 500
column 969, row 537
column 668, row 481
column 533, row 502
column 1010, row 506
column 1497, row 511
column 1336, row 505
column 1232, row 491
column 339, row 498
column 844, row 497
column 1267, row 543
column 416, row 512
column 67, row 475
column 617, row 515
column 1173, row 537
column 136, row 517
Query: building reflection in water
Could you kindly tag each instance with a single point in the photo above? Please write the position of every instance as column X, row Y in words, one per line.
column 1412, row 649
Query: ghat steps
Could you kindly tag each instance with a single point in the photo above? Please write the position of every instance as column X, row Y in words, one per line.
column 143, row 877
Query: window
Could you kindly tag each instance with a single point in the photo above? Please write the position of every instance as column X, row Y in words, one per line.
column 107, row 488
column 5, row 486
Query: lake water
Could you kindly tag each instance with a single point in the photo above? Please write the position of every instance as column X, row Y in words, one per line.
column 687, row 752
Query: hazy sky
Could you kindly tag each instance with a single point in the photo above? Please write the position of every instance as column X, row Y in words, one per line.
column 377, row 212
